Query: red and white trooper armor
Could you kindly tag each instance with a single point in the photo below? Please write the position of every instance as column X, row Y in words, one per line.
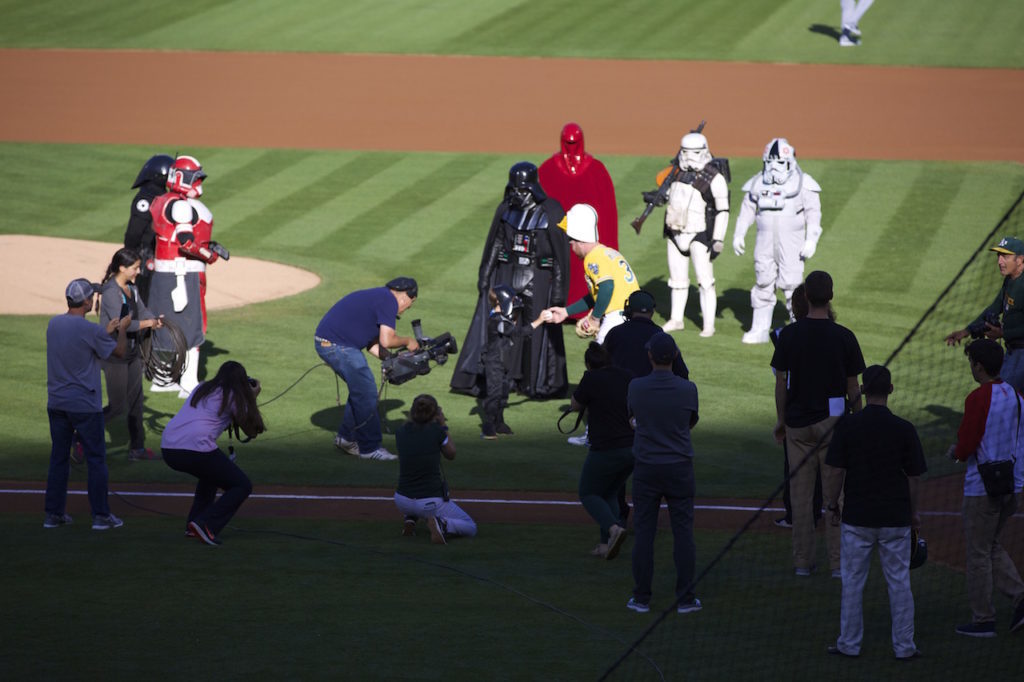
column 785, row 204
column 183, row 227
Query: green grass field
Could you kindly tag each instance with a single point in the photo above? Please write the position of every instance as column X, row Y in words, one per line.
column 978, row 33
column 288, row 599
column 357, row 219
column 297, row 599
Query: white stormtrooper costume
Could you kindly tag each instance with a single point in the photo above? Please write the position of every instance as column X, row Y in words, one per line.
column 786, row 205
column 696, row 219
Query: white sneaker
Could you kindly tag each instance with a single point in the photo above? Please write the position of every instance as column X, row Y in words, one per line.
column 579, row 440
column 106, row 522
column 848, row 40
column 380, row 453
column 691, row 607
column 853, row 30
column 672, row 326
column 351, row 447
column 706, row 332
column 754, row 337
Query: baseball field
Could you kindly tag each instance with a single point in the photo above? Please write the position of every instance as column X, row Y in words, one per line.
column 347, row 143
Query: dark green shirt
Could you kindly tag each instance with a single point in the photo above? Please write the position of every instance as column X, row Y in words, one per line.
column 419, row 459
column 1009, row 303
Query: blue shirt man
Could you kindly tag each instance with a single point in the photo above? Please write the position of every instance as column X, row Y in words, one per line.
column 364, row 319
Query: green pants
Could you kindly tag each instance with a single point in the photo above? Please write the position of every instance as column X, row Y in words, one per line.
column 604, row 473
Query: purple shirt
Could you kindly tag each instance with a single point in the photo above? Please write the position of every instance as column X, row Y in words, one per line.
column 355, row 320
column 196, row 428
column 74, row 347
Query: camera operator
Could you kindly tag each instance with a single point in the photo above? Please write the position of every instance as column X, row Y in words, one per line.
column 364, row 319
column 1009, row 302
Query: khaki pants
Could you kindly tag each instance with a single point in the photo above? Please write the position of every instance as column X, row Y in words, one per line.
column 988, row 564
column 799, row 442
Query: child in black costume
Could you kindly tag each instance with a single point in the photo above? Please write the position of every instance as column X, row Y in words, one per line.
column 503, row 332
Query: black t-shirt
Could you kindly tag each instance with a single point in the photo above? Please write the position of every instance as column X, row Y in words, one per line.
column 625, row 345
column 879, row 451
column 603, row 393
column 819, row 356
column 419, row 459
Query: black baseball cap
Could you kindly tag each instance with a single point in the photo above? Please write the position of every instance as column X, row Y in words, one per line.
column 662, row 348
column 640, row 301
column 406, row 284
column 877, row 380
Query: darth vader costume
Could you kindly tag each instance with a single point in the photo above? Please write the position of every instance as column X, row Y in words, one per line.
column 526, row 250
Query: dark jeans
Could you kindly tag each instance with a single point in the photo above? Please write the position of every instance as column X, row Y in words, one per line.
column 89, row 427
column 602, row 477
column 214, row 471
column 360, row 421
column 124, row 393
column 675, row 484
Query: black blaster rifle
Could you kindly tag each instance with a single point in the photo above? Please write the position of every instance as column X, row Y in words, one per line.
column 659, row 196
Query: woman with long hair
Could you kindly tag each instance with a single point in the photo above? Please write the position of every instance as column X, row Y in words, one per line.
column 120, row 298
column 189, row 444
column 422, row 489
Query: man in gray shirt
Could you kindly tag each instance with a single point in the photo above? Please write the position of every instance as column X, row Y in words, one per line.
column 663, row 407
column 74, row 348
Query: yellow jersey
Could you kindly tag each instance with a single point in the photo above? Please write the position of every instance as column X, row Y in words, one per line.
column 603, row 264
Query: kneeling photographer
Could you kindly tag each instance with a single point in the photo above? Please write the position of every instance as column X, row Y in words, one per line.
column 364, row 319
column 1008, row 303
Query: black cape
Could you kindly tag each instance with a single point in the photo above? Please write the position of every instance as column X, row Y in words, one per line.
column 537, row 365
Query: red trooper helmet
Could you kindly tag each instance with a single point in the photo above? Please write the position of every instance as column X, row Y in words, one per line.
column 185, row 177
column 573, row 153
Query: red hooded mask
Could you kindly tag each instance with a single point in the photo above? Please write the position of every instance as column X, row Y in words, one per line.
column 574, row 156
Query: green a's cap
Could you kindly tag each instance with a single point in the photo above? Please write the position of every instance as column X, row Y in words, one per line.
column 1010, row 245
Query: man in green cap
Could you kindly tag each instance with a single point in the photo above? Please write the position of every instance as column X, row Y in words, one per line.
column 1004, row 317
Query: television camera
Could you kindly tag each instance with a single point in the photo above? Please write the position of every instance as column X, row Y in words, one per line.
column 398, row 368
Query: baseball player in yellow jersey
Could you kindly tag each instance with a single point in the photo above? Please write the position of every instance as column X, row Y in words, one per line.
column 610, row 280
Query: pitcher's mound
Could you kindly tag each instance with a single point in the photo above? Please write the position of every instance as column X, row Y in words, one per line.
column 37, row 269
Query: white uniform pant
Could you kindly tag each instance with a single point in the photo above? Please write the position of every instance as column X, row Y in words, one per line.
column 853, row 10
column 777, row 265
column 894, row 556
column 609, row 321
column 457, row 522
column 679, row 265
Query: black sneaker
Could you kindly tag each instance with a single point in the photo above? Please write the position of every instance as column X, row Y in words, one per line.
column 503, row 429
column 977, row 629
column 488, row 432
column 1017, row 623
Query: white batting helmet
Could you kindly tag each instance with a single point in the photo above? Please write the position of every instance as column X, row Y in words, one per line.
column 580, row 223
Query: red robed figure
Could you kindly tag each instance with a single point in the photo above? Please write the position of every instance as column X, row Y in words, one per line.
column 572, row 176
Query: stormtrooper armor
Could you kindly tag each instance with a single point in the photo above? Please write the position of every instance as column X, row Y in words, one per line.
column 785, row 204
column 696, row 219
